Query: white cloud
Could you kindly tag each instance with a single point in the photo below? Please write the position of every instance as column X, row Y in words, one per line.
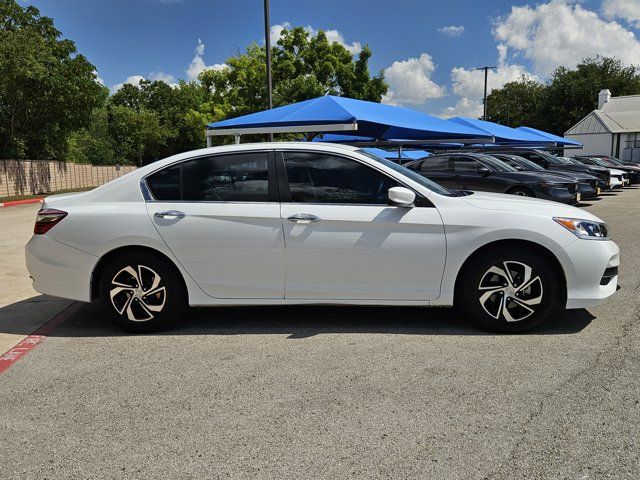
column 163, row 77
column 136, row 79
column 132, row 80
column 333, row 36
column 628, row 10
column 197, row 65
column 464, row 108
column 562, row 32
column 410, row 81
column 452, row 30
column 469, row 84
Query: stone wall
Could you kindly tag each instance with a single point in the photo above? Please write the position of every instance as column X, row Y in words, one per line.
column 34, row 177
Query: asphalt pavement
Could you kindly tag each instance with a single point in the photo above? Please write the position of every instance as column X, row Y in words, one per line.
column 335, row 392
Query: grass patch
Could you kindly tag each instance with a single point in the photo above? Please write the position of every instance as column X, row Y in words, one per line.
column 40, row 195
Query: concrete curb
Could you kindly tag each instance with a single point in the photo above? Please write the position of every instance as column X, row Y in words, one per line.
column 31, row 341
column 21, row 202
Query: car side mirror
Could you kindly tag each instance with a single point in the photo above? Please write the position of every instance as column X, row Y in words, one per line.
column 401, row 196
column 484, row 171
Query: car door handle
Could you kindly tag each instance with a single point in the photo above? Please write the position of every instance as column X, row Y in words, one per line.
column 303, row 218
column 169, row 214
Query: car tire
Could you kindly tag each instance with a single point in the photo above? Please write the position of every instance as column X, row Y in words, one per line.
column 141, row 292
column 521, row 192
column 509, row 291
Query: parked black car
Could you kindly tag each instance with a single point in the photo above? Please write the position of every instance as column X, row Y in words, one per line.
column 587, row 184
column 633, row 171
column 471, row 171
column 550, row 162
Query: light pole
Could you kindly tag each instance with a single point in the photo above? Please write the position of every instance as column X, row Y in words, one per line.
column 267, row 41
column 486, row 78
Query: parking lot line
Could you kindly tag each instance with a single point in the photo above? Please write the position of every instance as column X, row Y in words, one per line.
column 36, row 338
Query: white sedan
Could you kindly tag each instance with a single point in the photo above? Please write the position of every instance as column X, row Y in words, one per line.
column 292, row 223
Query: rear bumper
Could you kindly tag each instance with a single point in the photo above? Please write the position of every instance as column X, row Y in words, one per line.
column 58, row 269
column 591, row 263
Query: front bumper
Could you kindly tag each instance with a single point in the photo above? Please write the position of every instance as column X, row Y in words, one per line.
column 561, row 195
column 589, row 262
column 58, row 269
column 587, row 191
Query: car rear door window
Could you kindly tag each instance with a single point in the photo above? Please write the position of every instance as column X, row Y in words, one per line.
column 326, row 178
column 437, row 164
column 227, row 178
column 240, row 177
column 165, row 184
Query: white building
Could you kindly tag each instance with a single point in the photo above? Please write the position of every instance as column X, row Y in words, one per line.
column 613, row 129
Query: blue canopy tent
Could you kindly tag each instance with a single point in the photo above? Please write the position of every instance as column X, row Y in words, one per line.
column 407, row 155
column 503, row 135
column 559, row 141
column 353, row 117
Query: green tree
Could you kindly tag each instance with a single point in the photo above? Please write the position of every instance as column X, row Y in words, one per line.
column 173, row 106
column 572, row 94
column 47, row 90
column 137, row 136
column 93, row 143
column 565, row 99
column 517, row 103
column 304, row 67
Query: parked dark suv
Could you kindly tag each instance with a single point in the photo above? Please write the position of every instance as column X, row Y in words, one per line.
column 587, row 184
column 484, row 173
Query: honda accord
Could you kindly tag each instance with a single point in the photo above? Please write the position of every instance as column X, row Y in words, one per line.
column 285, row 223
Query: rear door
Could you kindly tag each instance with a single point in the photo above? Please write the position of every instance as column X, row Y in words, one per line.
column 343, row 239
column 220, row 216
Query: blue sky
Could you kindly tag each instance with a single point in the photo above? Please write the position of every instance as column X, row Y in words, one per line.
column 428, row 49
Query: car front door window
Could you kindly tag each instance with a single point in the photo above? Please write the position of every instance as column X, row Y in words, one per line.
column 324, row 178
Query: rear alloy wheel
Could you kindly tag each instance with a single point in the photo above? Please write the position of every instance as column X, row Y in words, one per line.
column 141, row 292
column 510, row 292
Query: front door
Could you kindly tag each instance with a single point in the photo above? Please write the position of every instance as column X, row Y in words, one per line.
column 344, row 241
column 220, row 217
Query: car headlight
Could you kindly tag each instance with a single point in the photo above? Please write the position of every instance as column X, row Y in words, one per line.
column 587, row 229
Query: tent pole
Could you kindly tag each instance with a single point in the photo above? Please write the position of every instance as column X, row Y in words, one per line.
column 237, row 138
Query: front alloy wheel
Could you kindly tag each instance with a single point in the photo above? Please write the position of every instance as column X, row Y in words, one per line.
column 510, row 290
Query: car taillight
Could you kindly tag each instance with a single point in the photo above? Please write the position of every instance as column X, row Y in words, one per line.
column 46, row 219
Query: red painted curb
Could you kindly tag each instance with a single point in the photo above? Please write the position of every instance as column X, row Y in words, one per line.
column 36, row 338
column 13, row 203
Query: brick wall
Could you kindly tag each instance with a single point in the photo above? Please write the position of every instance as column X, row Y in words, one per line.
column 33, row 177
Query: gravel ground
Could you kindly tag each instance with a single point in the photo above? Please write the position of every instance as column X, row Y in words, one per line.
column 334, row 392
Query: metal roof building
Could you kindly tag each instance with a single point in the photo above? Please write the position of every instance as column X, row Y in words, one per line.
column 612, row 129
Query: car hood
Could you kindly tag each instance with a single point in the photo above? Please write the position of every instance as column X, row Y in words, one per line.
column 615, row 171
column 525, row 205
column 548, row 176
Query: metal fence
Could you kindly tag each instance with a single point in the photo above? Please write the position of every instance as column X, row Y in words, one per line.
column 34, row 177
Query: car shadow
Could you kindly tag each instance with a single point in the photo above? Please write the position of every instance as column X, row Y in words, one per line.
column 296, row 321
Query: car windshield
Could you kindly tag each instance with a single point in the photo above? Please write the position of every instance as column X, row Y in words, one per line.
column 416, row 177
column 526, row 163
column 599, row 161
column 497, row 165
column 550, row 158
column 569, row 160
